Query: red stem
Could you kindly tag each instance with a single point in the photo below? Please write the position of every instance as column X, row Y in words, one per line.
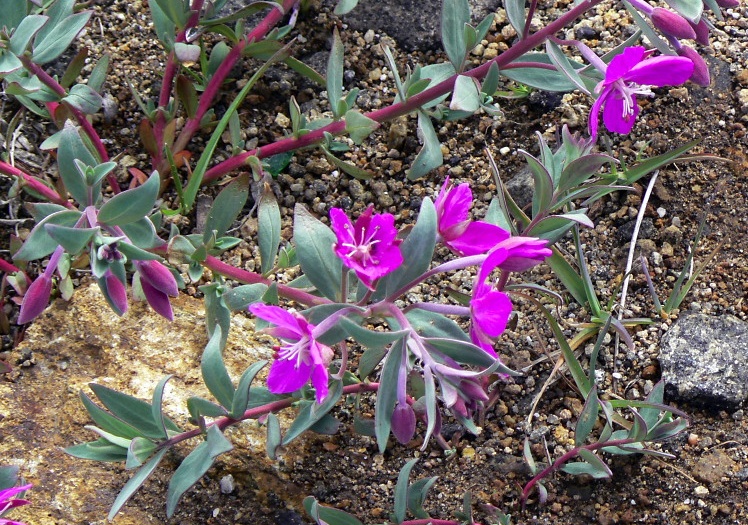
column 7, row 267
column 167, row 84
column 408, row 106
column 244, row 276
column 214, row 85
column 35, row 184
column 254, row 413
column 571, row 454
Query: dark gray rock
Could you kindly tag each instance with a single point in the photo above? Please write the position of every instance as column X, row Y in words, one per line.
column 704, row 360
column 414, row 24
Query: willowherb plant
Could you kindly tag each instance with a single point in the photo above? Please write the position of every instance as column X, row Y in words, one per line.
column 353, row 293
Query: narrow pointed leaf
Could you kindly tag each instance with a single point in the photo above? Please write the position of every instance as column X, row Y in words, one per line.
column 401, row 491
column 240, row 402
column 135, row 482
column 40, row 243
column 54, row 43
column 455, row 14
column 314, row 248
column 131, row 205
column 430, row 156
column 312, row 412
column 72, row 148
column 226, row 207
column 269, row 230
column 107, row 421
column 99, row 450
column 587, row 418
column 417, row 249
column 214, row 371
column 387, row 394
column 72, row 239
column 195, row 465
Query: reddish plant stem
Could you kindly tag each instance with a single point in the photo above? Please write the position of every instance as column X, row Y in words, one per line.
column 294, row 294
column 167, row 84
column 247, row 277
column 254, row 413
column 80, row 117
column 214, row 85
column 52, row 84
column 7, row 267
column 35, row 184
column 571, row 454
column 408, row 106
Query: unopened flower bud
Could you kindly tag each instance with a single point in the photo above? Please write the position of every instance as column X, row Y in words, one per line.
column 158, row 300
column 36, row 299
column 158, row 276
column 672, row 24
column 114, row 291
column 472, row 390
column 702, row 32
column 700, row 74
column 403, row 423
column 727, row 4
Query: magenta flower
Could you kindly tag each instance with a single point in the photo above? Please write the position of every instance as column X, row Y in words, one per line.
column 9, row 501
column 629, row 74
column 369, row 247
column 489, row 308
column 523, row 253
column 457, row 231
column 301, row 358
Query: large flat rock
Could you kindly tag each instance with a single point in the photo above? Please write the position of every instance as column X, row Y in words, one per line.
column 78, row 342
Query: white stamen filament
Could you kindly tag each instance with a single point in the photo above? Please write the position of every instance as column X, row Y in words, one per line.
column 295, row 351
column 361, row 250
column 627, row 92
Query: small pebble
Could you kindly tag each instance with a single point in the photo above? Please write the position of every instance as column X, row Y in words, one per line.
column 701, row 490
column 661, row 212
column 227, row 484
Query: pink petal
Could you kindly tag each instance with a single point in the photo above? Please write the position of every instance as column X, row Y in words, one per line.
column 661, row 71
column 594, row 120
column 613, row 115
column 287, row 326
column 456, row 208
column 478, row 237
column 284, row 377
column 491, row 312
column 623, row 63
column 338, row 221
column 320, row 381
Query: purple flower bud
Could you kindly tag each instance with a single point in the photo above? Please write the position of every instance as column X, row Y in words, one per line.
column 158, row 300
column 727, row 4
column 700, row 74
column 403, row 423
column 36, row 299
column 702, row 32
column 672, row 24
column 158, row 276
column 115, row 292
column 472, row 390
